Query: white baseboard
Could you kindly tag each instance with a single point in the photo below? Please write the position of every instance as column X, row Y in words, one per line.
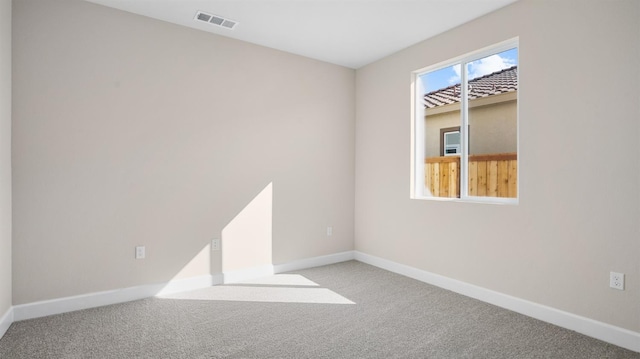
column 264, row 271
column 609, row 333
column 315, row 262
column 98, row 299
column 247, row 273
column 182, row 285
column 92, row 300
column 5, row 321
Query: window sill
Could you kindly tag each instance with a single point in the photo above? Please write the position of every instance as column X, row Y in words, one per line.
column 477, row 200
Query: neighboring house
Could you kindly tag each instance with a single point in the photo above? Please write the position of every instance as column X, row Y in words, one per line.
column 492, row 116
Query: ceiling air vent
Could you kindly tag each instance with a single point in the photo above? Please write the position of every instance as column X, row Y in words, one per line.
column 229, row 24
column 215, row 20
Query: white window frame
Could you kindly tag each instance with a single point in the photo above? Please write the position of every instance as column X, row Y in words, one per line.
column 418, row 126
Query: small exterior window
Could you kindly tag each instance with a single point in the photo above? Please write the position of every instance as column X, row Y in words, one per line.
column 465, row 127
column 450, row 140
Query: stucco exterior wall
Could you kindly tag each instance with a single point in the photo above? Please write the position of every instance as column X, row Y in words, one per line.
column 493, row 128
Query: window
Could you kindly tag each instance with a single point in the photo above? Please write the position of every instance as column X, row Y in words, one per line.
column 450, row 141
column 465, row 127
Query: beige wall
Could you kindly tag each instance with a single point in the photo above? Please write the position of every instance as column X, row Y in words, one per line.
column 577, row 217
column 131, row 131
column 494, row 128
column 5, row 156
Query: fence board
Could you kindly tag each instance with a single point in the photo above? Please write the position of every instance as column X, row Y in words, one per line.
column 473, row 179
column 492, row 181
column 503, row 178
column 513, row 179
column 490, row 175
column 455, row 179
column 435, row 178
column 482, row 178
column 444, row 179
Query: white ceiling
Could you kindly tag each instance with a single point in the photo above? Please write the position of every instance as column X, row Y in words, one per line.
column 350, row 33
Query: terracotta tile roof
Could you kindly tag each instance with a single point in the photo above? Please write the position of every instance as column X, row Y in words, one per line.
column 502, row 81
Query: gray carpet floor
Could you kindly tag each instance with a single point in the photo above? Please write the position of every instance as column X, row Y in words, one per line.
column 345, row 310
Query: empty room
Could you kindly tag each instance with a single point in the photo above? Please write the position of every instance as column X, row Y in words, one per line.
column 319, row 179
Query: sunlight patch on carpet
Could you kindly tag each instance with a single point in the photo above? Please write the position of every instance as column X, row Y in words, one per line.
column 279, row 288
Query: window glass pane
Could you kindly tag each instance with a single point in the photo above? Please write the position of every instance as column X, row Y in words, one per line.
column 492, row 125
column 442, row 131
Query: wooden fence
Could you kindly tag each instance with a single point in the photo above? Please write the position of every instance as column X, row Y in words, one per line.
column 493, row 175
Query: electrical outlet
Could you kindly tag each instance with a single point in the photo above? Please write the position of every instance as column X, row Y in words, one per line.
column 140, row 252
column 215, row 244
column 616, row 280
column 329, row 231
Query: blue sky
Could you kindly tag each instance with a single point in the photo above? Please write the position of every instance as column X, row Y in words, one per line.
column 448, row 76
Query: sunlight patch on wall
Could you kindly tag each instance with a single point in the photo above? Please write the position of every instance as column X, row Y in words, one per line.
column 199, row 264
column 246, row 240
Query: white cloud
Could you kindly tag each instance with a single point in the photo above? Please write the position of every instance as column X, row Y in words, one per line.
column 482, row 67
column 455, row 79
column 488, row 65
